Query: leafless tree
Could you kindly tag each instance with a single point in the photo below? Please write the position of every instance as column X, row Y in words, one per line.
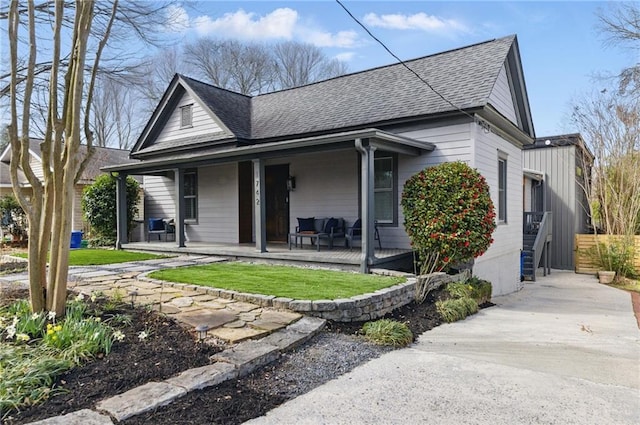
column 610, row 125
column 298, row 64
column 114, row 114
column 75, row 38
column 621, row 26
column 254, row 68
column 246, row 68
column 154, row 74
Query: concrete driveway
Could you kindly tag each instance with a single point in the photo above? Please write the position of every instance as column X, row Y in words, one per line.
column 564, row 350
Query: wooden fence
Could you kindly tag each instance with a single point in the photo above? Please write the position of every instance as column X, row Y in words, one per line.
column 583, row 245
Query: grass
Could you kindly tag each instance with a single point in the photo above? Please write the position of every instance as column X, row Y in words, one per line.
column 96, row 256
column 281, row 281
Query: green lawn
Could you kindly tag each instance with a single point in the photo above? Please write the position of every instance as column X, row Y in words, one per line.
column 281, row 281
column 95, row 257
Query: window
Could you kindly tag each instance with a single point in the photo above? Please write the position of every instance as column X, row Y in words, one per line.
column 186, row 115
column 502, row 189
column 385, row 189
column 190, row 195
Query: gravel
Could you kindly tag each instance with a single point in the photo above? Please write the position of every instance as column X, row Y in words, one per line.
column 326, row 357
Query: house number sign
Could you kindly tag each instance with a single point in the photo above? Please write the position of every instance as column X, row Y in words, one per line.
column 257, row 191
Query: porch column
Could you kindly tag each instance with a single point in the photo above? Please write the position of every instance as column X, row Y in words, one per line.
column 367, row 208
column 260, row 215
column 178, row 177
column 121, row 210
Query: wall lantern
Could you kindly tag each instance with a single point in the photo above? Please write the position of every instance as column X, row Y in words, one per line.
column 291, row 183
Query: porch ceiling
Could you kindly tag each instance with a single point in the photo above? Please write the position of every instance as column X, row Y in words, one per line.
column 380, row 139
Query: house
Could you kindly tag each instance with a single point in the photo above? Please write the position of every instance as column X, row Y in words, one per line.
column 223, row 164
column 555, row 169
column 102, row 157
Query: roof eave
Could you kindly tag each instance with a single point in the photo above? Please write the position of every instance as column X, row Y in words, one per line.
column 381, row 139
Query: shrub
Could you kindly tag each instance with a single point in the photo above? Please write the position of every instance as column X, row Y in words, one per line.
column 448, row 210
column 455, row 309
column 13, row 217
column 449, row 217
column 387, row 332
column 99, row 205
column 614, row 256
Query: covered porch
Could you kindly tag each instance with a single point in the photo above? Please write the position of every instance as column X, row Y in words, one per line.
column 254, row 198
column 279, row 253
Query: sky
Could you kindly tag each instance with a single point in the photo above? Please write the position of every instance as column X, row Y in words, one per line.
column 560, row 45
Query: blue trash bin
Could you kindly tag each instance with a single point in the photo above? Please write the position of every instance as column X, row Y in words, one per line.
column 76, row 239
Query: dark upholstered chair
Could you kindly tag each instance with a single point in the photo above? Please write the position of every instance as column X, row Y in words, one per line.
column 355, row 233
column 160, row 227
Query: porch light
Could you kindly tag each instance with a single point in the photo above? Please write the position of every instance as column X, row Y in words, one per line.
column 291, row 183
column 133, row 294
column 202, row 333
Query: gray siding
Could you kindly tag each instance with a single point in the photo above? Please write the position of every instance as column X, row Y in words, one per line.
column 326, row 186
column 202, row 122
column 217, row 205
column 452, row 144
column 158, row 197
column 561, row 198
column 501, row 263
column 502, row 97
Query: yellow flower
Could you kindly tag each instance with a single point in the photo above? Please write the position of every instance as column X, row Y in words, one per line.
column 49, row 326
column 49, row 331
column 57, row 328
column 54, row 337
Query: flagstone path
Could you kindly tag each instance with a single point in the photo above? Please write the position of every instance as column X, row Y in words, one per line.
column 230, row 320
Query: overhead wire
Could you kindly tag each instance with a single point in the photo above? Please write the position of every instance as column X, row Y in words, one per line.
column 403, row 63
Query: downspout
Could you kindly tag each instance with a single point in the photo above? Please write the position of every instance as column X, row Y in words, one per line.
column 367, row 250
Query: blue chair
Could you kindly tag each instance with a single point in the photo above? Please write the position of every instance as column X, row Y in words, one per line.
column 159, row 226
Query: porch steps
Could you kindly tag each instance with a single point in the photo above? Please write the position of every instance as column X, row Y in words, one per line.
column 528, row 270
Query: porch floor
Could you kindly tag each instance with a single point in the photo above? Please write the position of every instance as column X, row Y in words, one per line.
column 338, row 257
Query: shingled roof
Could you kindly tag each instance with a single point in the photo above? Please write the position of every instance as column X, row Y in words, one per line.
column 366, row 99
column 464, row 76
column 102, row 157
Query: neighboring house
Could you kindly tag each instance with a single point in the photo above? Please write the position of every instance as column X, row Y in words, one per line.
column 102, row 157
column 556, row 168
column 219, row 162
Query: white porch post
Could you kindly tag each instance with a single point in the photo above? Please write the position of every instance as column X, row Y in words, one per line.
column 367, row 206
column 260, row 207
column 121, row 210
column 178, row 177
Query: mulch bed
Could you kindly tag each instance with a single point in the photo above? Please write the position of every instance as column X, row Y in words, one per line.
column 170, row 349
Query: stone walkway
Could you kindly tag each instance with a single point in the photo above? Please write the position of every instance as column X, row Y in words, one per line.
column 230, row 320
column 258, row 333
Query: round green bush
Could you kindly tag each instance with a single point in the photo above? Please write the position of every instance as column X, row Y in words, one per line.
column 99, row 205
column 448, row 210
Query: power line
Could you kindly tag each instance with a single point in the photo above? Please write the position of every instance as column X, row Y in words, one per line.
column 400, row 61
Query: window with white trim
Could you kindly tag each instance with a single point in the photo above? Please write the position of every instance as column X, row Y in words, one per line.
column 186, row 116
column 502, row 188
column 385, row 189
column 190, row 195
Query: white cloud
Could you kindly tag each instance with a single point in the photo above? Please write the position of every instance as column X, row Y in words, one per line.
column 177, row 19
column 327, row 39
column 345, row 56
column 246, row 25
column 282, row 23
column 419, row 21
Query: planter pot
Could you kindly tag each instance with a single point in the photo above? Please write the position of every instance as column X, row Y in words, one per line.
column 606, row 276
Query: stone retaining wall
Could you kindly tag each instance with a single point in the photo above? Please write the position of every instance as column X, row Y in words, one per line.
column 10, row 263
column 358, row 308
